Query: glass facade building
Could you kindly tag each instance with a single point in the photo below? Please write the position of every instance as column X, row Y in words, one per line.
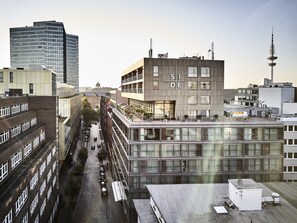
column 45, row 43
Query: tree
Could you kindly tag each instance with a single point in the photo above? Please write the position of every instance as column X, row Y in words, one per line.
column 83, row 155
column 88, row 113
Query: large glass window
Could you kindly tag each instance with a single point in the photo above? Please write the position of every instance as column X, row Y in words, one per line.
column 171, row 134
column 212, row 149
column 232, row 149
column 11, row 77
column 205, row 85
column 149, row 150
column 253, row 133
column 192, row 85
column 30, row 88
column 272, row 134
column 192, row 100
column 191, row 134
column 253, row 149
column 214, row 134
column 156, row 71
column 205, row 71
column 205, row 100
column 230, row 133
column 170, row 150
column 254, row 164
column 149, row 134
column 155, row 85
column 192, row 71
column 191, row 150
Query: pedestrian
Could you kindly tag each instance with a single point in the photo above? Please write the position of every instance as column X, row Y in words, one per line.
column 107, row 166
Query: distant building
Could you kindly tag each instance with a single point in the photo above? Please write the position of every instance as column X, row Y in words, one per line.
column 274, row 95
column 172, row 131
column 37, row 81
column 240, row 201
column 46, row 43
column 247, row 96
column 290, row 148
column 28, row 159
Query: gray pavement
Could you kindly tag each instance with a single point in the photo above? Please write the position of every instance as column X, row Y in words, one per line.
column 91, row 207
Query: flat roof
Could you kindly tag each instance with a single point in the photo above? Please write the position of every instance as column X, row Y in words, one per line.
column 144, row 211
column 193, row 203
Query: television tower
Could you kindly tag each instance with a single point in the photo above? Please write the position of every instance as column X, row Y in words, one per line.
column 272, row 57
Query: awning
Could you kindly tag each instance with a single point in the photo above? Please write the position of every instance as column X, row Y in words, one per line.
column 118, row 191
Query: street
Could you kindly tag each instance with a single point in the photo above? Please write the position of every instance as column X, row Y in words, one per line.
column 91, row 207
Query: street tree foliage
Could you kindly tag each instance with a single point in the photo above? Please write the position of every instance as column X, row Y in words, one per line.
column 83, row 155
column 89, row 114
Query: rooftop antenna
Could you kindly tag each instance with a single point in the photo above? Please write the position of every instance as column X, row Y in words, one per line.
column 212, row 51
column 272, row 57
column 151, row 48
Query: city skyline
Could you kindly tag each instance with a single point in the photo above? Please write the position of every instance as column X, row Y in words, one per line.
column 115, row 34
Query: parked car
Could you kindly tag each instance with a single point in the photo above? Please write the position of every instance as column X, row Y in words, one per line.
column 98, row 145
column 104, row 191
column 102, row 168
column 103, row 184
column 92, row 147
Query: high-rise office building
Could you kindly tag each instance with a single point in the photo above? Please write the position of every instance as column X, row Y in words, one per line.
column 46, row 43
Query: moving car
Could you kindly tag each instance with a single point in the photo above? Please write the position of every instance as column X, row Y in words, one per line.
column 95, row 139
column 92, row 147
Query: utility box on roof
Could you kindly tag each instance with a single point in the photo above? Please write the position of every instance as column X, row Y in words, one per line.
column 245, row 194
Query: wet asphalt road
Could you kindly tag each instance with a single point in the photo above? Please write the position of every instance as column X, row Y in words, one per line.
column 91, row 207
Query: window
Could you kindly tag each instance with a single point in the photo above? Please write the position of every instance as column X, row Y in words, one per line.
column 204, row 100
column 16, row 130
column 192, row 85
column 205, row 71
column 156, row 71
column 33, row 121
column 21, row 201
column 192, row 100
column 4, row 136
column 15, row 109
column 16, row 159
column 25, row 125
column 4, row 111
column 1, row 77
column 214, row 134
column 49, row 192
column 290, row 128
column 11, row 77
column 205, row 113
column 35, row 142
column 34, row 181
column 34, row 204
column 49, row 175
column 192, row 71
column 232, row 150
column 155, row 85
column 295, row 128
column 191, row 134
column 42, row 188
column 205, row 85
column 3, row 170
column 42, row 168
column 27, row 149
column 30, row 88
column 42, row 206
column 8, row 217
column 25, row 218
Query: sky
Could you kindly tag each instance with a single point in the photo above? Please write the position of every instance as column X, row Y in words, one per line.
column 114, row 34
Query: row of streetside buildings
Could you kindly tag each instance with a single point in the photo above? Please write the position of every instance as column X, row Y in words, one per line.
column 39, row 125
column 173, row 130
